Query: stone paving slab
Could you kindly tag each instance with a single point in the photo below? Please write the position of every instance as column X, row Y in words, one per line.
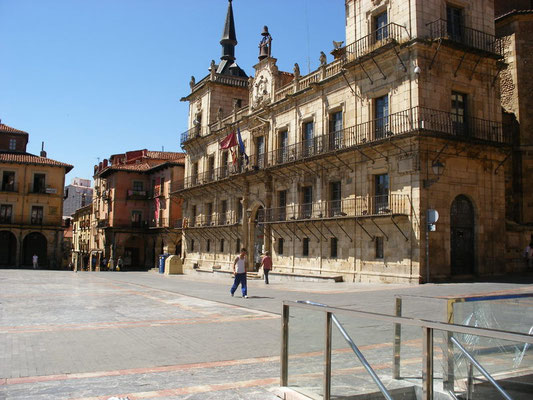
column 67, row 335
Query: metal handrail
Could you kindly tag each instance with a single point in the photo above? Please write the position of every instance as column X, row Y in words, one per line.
column 427, row 326
column 357, row 352
column 480, row 368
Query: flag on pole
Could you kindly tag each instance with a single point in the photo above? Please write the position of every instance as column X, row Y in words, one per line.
column 233, row 156
column 242, row 150
column 229, row 141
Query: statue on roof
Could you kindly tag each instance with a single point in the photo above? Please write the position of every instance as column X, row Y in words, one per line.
column 323, row 59
column 265, row 45
column 296, row 71
column 192, row 82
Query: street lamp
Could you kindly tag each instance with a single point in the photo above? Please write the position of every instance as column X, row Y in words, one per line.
column 438, row 169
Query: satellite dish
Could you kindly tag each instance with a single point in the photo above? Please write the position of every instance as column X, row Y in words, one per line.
column 433, row 216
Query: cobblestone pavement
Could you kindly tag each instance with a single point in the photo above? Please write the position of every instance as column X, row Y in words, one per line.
column 90, row 335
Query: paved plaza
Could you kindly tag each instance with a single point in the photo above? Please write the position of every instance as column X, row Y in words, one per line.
column 94, row 335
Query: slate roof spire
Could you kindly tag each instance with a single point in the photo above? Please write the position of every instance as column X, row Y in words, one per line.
column 229, row 39
column 227, row 65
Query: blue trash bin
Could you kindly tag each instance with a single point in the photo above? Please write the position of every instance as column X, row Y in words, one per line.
column 162, row 258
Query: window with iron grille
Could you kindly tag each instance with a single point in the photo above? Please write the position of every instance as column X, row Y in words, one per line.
column 280, row 246
column 305, row 247
column 333, row 247
column 37, row 215
column 379, row 247
column 6, row 211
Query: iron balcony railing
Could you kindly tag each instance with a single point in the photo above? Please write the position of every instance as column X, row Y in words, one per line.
column 360, row 206
column 122, row 223
column 207, row 220
column 137, row 194
column 411, row 121
column 472, row 38
column 390, row 33
column 193, row 133
column 42, row 189
column 9, row 187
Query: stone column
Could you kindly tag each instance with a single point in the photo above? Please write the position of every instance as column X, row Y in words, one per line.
column 246, row 221
column 268, row 204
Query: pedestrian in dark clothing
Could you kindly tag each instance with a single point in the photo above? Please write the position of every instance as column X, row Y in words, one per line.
column 266, row 263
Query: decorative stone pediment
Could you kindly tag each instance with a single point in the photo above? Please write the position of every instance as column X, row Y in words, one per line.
column 263, row 84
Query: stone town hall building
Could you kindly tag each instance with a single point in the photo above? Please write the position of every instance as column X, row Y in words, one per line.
column 343, row 163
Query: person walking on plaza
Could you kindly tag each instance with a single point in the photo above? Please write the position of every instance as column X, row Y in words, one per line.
column 35, row 260
column 239, row 270
column 111, row 265
column 120, row 264
column 266, row 263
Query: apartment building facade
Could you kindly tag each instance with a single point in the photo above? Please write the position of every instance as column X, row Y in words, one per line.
column 77, row 195
column 346, row 166
column 31, row 203
column 133, row 215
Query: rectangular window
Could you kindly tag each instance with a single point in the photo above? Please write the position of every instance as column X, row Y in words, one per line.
column 308, row 140
column 136, row 219
column 305, row 247
column 260, row 151
column 8, row 181
column 208, row 246
column 37, row 215
column 335, row 199
column 211, row 168
column 209, row 213
column 307, row 201
column 193, row 216
column 138, row 186
column 280, row 246
column 283, row 144
column 454, row 23
column 222, row 245
column 335, row 130
column 239, row 209
column 194, row 174
column 381, row 114
column 238, row 246
column 12, row 144
column 379, row 247
column 333, row 247
column 282, row 205
column 224, row 170
column 6, row 212
column 39, row 183
column 223, row 212
column 192, row 244
column 459, row 114
column 381, row 190
column 381, row 28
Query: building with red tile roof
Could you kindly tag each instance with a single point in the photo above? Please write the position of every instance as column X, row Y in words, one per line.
column 133, row 214
column 31, row 203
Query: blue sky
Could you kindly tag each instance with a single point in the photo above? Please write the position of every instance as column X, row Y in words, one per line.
column 93, row 78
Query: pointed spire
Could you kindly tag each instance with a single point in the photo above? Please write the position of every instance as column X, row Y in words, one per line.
column 229, row 39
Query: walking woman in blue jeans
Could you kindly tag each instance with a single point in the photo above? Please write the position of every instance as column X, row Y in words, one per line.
column 239, row 270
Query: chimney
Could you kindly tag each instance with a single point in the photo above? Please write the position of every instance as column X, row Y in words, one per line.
column 43, row 153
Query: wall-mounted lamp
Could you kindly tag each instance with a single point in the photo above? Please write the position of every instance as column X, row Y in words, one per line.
column 438, row 169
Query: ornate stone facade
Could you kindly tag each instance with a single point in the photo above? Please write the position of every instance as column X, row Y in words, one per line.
column 343, row 164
